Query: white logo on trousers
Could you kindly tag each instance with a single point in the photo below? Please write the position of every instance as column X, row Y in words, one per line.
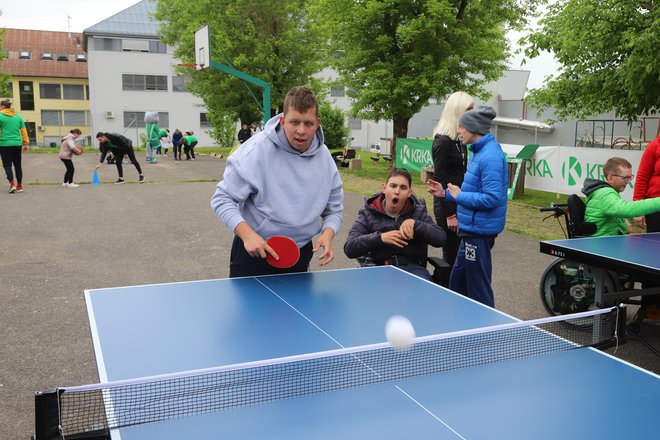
column 470, row 252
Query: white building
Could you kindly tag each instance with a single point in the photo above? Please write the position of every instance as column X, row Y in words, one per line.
column 131, row 71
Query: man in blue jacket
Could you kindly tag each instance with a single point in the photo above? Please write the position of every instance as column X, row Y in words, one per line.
column 280, row 182
column 481, row 202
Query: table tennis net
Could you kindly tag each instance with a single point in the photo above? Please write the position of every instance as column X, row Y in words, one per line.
column 98, row 408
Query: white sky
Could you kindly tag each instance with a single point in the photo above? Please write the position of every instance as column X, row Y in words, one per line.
column 77, row 15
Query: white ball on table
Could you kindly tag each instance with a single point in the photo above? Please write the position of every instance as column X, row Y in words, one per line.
column 399, row 332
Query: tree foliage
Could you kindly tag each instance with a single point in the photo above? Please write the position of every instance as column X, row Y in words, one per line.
column 608, row 50
column 395, row 55
column 4, row 76
column 267, row 40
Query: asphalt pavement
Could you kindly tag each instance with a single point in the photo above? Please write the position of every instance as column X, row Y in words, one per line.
column 56, row 242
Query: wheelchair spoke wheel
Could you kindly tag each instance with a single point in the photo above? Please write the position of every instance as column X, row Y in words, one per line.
column 569, row 287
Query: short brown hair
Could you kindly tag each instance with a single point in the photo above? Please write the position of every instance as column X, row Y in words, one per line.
column 76, row 131
column 613, row 164
column 400, row 172
column 100, row 134
column 6, row 103
column 301, row 98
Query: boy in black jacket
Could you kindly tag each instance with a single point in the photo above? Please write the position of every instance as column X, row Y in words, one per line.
column 395, row 227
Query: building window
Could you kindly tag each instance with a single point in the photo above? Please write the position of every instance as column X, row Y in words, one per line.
column 355, row 123
column 51, row 117
column 131, row 118
column 81, row 57
column 9, row 93
column 50, row 91
column 62, row 57
column 337, row 91
column 156, row 82
column 204, row 121
column 107, row 44
column 144, row 82
column 87, row 92
column 74, row 91
column 24, row 55
column 157, row 47
column 46, row 56
column 178, row 84
column 26, row 91
column 74, row 117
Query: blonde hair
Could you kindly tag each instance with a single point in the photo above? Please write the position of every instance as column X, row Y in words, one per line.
column 454, row 108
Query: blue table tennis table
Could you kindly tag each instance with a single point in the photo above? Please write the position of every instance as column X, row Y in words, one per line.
column 635, row 255
column 158, row 329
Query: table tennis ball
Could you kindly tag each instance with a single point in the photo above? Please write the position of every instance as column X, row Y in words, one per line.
column 399, row 332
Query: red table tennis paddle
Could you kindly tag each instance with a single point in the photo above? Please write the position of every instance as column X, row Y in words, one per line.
column 286, row 249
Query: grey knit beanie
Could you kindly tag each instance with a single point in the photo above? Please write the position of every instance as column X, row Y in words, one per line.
column 478, row 120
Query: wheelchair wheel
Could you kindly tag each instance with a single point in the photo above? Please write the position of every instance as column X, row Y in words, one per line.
column 569, row 287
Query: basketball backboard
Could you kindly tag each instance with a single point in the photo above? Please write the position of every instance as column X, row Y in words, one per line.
column 202, row 48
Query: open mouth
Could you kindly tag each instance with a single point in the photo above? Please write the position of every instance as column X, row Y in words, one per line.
column 395, row 200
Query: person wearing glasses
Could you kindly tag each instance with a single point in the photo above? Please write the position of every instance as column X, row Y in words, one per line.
column 606, row 208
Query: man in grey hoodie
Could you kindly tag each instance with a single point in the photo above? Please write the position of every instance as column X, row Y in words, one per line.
column 280, row 182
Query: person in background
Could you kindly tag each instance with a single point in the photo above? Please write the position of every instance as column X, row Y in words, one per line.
column 165, row 141
column 281, row 183
column 610, row 212
column 176, row 144
column 189, row 142
column 13, row 141
column 482, row 202
column 67, row 149
column 449, row 165
column 119, row 146
column 395, row 228
column 244, row 134
column 153, row 135
column 647, row 184
column 605, row 206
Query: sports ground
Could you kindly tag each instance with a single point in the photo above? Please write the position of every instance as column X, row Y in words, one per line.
column 58, row 241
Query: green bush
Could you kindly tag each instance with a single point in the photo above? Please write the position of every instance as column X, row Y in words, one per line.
column 224, row 129
column 333, row 123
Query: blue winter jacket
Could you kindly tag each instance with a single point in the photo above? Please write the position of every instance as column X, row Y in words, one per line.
column 483, row 197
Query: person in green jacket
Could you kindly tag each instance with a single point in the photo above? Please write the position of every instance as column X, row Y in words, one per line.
column 153, row 135
column 606, row 208
column 189, row 141
column 13, row 140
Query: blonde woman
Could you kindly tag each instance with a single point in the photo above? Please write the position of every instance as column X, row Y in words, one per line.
column 449, row 163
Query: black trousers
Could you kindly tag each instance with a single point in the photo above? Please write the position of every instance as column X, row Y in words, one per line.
column 12, row 156
column 119, row 157
column 189, row 150
column 68, row 176
column 243, row 265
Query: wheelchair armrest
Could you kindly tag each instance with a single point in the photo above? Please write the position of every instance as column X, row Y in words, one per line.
column 438, row 263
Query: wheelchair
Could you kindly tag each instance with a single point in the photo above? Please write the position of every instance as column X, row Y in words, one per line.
column 569, row 286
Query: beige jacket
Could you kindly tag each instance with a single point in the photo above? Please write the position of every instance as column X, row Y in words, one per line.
column 68, row 147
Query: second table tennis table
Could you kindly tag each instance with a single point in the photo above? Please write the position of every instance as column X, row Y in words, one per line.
column 158, row 329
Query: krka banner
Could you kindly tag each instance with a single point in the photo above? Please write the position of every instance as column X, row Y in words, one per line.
column 413, row 154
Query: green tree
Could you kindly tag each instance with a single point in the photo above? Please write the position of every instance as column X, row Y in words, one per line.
column 267, row 40
column 4, row 77
column 608, row 50
column 395, row 55
column 333, row 121
column 224, row 129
